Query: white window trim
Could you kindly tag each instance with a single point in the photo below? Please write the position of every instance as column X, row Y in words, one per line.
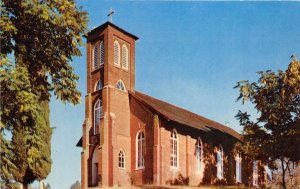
column 221, row 166
column 101, row 112
column 124, row 155
column 137, row 152
column 119, row 53
column 126, row 57
column 122, row 84
column 199, row 163
column 177, row 150
column 238, row 172
column 102, row 53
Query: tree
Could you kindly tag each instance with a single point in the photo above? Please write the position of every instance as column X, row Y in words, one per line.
column 31, row 147
column 43, row 36
column 18, row 107
column 26, row 156
column 275, row 135
column 40, row 37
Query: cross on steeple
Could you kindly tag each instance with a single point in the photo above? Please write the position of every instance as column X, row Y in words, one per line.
column 110, row 14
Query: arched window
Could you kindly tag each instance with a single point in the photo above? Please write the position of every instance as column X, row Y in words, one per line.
column 116, row 53
column 98, row 85
column 238, row 168
column 220, row 162
column 255, row 173
column 97, row 115
column 101, row 53
column 121, row 159
column 140, row 139
column 174, row 149
column 121, row 86
column 124, row 57
column 95, row 167
column 96, row 56
column 198, row 154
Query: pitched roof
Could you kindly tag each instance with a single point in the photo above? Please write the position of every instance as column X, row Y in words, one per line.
column 103, row 26
column 182, row 116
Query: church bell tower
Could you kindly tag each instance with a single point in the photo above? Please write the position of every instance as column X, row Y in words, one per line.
column 106, row 128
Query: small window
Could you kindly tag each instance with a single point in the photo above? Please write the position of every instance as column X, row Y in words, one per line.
column 98, row 85
column 220, row 165
column 96, row 56
column 116, row 53
column 97, row 115
column 140, row 139
column 121, row 86
column 238, row 168
column 198, row 154
column 101, row 53
column 122, row 159
column 124, row 57
column 174, row 149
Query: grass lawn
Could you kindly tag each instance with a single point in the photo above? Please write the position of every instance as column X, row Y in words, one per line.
column 195, row 187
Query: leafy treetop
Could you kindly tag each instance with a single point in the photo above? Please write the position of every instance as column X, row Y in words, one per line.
column 43, row 36
column 275, row 135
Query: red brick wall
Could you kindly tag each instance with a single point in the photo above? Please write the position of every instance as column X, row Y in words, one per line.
column 187, row 138
column 114, row 73
column 125, row 117
column 115, row 106
column 142, row 119
column 119, row 105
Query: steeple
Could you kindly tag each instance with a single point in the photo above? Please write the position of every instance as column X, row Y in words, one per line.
column 110, row 76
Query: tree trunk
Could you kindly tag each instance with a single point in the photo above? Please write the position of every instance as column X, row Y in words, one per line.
column 41, row 184
column 25, row 186
column 293, row 174
column 283, row 174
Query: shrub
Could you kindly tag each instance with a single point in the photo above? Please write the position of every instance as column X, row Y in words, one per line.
column 132, row 177
column 181, row 180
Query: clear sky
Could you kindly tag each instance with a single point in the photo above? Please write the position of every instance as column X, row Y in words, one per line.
column 190, row 54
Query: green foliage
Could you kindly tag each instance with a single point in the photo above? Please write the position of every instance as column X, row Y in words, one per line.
column 40, row 37
column 16, row 92
column 18, row 107
column 43, row 36
column 276, row 132
column 27, row 156
column 31, row 148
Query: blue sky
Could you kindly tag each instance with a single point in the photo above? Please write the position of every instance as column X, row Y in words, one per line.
column 190, row 54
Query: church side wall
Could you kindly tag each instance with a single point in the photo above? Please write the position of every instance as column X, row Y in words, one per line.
column 119, row 107
column 194, row 176
column 170, row 173
column 187, row 138
column 141, row 119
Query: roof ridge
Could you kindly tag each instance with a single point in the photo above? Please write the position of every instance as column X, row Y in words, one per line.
column 98, row 28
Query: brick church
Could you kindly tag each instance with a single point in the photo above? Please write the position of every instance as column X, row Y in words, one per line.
column 132, row 138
